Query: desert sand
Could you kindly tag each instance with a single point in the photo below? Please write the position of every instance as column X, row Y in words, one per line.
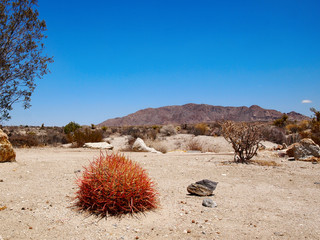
column 253, row 201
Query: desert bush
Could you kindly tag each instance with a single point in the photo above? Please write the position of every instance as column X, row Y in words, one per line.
column 304, row 125
column 281, row 122
column 273, row 134
column 168, row 130
column 115, row 185
column 216, row 129
column 292, row 128
column 157, row 146
column 293, row 138
column 71, row 127
column 200, row 129
column 82, row 136
column 18, row 140
column 194, row 145
column 245, row 139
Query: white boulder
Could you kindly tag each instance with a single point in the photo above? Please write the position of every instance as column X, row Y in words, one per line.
column 140, row 146
column 98, row 145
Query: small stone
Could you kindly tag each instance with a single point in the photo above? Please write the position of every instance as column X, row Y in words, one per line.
column 188, row 231
column 23, row 208
column 77, row 171
column 278, row 234
column 208, row 203
column 137, row 237
column 316, row 182
column 193, row 221
column 30, row 227
column 1, row 180
column 203, row 232
column 291, row 159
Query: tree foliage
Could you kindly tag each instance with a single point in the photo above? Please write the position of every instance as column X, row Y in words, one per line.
column 245, row 139
column 21, row 53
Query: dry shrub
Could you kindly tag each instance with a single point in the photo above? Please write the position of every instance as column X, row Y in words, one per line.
column 143, row 132
column 245, row 139
column 200, row 129
column 266, row 163
column 168, row 130
column 157, row 146
column 292, row 128
column 23, row 140
column 115, row 185
column 194, row 145
column 82, row 136
column 273, row 134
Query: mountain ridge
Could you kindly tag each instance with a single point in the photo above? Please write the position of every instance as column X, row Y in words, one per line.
column 192, row 113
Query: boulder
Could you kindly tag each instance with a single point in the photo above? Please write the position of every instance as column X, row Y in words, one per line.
column 98, row 145
column 7, row 153
column 204, row 187
column 140, row 146
column 304, row 150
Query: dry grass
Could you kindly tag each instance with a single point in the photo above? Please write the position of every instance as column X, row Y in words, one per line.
column 195, row 145
column 157, row 146
column 265, row 163
column 312, row 159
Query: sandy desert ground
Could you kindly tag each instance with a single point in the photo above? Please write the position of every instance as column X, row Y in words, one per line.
column 253, row 202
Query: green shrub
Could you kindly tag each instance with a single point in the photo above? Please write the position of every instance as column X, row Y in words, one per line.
column 71, row 127
column 115, row 185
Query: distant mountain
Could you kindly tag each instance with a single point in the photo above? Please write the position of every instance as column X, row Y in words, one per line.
column 196, row 113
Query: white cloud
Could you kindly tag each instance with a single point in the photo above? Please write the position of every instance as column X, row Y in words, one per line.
column 306, row 101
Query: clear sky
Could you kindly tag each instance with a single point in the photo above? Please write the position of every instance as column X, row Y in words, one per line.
column 113, row 58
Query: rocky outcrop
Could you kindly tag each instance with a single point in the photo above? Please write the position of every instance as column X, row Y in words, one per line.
column 304, row 150
column 140, row 146
column 204, row 187
column 196, row 113
column 7, row 153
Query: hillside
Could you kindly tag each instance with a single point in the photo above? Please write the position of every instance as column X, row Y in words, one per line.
column 196, row 113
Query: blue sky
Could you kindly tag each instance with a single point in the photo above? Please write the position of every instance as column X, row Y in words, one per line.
column 113, row 58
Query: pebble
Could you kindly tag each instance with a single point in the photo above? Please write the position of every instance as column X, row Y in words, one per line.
column 1, row 180
column 316, row 182
column 278, row 234
column 208, row 203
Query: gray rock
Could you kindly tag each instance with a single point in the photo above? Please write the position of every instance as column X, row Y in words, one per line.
column 202, row 188
column 304, row 150
column 208, row 183
column 208, row 203
column 291, row 159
